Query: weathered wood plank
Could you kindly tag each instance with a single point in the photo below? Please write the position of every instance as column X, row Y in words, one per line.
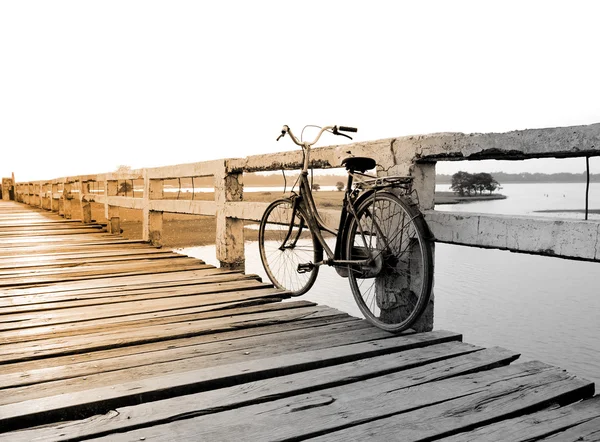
column 502, row 398
column 99, row 340
column 12, row 303
column 144, row 314
column 148, row 269
column 284, row 337
column 35, row 233
column 73, row 267
column 7, row 247
column 83, row 268
column 65, row 249
column 148, row 301
column 584, row 432
column 536, row 425
column 336, row 322
column 425, row 410
column 26, row 229
column 79, row 253
column 252, row 370
column 28, row 264
column 203, row 356
column 31, row 294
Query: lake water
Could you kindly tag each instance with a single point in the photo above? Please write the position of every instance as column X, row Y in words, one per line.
column 545, row 308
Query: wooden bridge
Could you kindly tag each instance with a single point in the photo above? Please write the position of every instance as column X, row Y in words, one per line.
column 106, row 338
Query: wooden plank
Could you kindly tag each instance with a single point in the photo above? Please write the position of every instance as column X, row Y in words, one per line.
column 286, row 339
column 391, row 411
column 587, row 431
column 35, row 233
column 64, row 266
column 6, row 247
column 148, row 269
column 152, row 413
column 147, row 301
column 145, row 314
column 203, row 356
column 13, row 303
column 55, row 227
column 84, row 268
column 499, row 399
column 99, row 341
column 29, row 264
column 210, row 378
column 84, row 253
column 537, row 425
column 70, row 290
column 336, row 322
column 101, row 284
column 86, row 249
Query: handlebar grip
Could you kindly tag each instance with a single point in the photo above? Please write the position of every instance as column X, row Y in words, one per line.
column 347, row 129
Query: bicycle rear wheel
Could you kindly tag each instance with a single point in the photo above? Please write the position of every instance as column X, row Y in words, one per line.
column 284, row 244
column 393, row 290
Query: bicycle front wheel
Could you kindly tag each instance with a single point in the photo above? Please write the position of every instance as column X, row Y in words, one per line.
column 393, row 288
column 284, row 243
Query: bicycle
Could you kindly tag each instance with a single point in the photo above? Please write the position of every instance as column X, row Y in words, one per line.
column 382, row 246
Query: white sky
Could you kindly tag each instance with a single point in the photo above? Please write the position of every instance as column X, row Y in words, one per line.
column 87, row 86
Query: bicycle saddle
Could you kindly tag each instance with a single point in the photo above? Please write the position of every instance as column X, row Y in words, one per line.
column 362, row 164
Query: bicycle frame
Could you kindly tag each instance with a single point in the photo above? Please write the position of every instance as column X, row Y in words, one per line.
column 316, row 224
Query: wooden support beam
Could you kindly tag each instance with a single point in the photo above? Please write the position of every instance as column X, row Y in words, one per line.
column 230, row 231
column 86, row 206
column 111, row 212
column 152, row 219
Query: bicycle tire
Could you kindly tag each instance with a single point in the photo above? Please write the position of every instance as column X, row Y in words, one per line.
column 395, row 289
column 281, row 265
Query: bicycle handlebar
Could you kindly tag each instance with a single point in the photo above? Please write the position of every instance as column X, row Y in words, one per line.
column 333, row 129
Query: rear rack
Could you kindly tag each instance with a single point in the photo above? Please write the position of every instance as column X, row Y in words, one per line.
column 383, row 182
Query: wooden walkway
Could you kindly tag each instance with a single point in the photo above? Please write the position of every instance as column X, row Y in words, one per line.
column 109, row 339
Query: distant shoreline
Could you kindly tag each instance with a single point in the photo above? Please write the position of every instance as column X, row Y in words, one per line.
column 452, row 198
column 594, row 211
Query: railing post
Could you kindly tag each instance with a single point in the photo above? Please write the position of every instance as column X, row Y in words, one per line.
column 86, row 206
column 43, row 197
column 54, row 202
column 41, row 194
column 424, row 189
column 67, row 198
column 229, row 187
column 153, row 219
column 424, row 185
column 111, row 188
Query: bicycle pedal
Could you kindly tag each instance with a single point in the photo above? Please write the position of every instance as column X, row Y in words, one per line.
column 305, row 268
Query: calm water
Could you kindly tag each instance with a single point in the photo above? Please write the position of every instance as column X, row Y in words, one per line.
column 544, row 308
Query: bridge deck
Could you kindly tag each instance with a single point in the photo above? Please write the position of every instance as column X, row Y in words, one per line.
column 105, row 338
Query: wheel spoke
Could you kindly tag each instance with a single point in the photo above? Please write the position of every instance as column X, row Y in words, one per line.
column 281, row 264
column 401, row 263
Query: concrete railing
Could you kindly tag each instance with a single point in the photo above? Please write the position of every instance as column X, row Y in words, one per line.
column 414, row 155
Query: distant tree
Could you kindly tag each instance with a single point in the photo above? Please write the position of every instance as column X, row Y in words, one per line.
column 125, row 187
column 493, row 186
column 123, row 169
column 340, row 186
column 465, row 183
column 462, row 183
column 316, row 187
